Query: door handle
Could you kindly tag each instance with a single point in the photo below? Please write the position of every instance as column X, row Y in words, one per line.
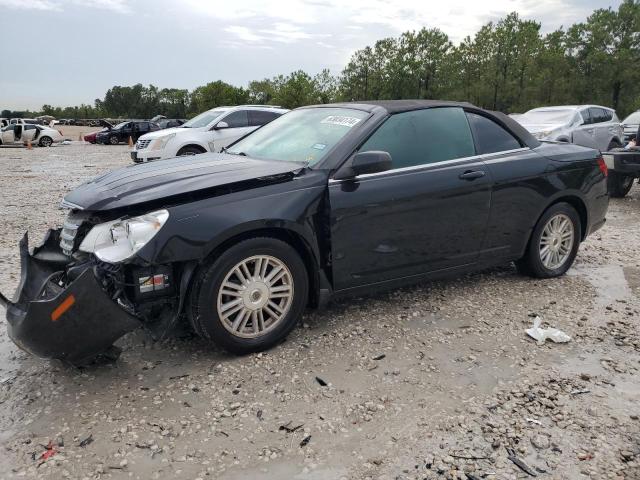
column 471, row 175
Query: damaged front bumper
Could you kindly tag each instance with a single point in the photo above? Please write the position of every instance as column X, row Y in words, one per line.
column 60, row 310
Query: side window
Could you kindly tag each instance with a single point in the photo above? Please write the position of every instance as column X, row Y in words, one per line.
column 607, row 115
column 142, row 127
column 490, row 137
column 236, row 119
column 587, row 120
column 257, row 118
column 596, row 115
column 29, row 127
column 423, row 136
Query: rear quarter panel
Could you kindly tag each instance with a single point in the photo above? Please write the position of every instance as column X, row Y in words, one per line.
column 527, row 184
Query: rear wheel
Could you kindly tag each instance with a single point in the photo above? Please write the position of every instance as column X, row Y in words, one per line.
column 554, row 243
column 187, row 151
column 113, row 140
column 618, row 184
column 251, row 296
column 45, row 142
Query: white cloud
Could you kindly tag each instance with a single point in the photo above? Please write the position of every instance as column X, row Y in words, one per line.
column 294, row 20
column 31, row 5
column 120, row 6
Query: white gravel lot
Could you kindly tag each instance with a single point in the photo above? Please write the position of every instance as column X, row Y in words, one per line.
column 434, row 381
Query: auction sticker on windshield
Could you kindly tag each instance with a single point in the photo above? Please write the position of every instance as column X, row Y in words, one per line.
column 341, row 120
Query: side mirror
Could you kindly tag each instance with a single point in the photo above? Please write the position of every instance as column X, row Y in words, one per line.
column 221, row 125
column 363, row 163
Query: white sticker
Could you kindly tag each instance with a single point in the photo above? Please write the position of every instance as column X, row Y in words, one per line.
column 319, row 146
column 340, row 120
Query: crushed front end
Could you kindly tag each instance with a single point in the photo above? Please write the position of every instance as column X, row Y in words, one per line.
column 71, row 305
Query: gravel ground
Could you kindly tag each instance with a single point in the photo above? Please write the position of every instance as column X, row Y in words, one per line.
column 434, row 381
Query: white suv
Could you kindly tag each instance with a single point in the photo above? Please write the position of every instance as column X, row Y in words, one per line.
column 208, row 132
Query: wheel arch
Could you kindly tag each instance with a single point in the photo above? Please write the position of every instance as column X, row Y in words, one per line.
column 579, row 205
column 286, row 235
column 616, row 139
column 195, row 145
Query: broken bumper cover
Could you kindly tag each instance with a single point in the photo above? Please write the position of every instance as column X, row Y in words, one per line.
column 73, row 323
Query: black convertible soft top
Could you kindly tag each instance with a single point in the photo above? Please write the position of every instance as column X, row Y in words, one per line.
column 399, row 106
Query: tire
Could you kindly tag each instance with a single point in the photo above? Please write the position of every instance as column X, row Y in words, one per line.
column 188, row 151
column 537, row 264
column 232, row 317
column 618, row 185
column 113, row 140
column 45, row 142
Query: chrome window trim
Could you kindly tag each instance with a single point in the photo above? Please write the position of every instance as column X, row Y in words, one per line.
column 428, row 166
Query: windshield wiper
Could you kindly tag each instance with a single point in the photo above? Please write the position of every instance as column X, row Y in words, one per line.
column 242, row 154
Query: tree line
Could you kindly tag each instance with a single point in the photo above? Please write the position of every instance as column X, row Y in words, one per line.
column 508, row 65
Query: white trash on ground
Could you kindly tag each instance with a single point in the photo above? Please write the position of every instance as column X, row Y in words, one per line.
column 541, row 334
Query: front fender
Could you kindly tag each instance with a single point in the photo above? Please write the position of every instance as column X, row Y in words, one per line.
column 196, row 229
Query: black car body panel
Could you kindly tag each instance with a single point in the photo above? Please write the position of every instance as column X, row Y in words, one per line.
column 354, row 234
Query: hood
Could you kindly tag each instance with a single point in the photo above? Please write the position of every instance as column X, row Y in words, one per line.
column 162, row 133
column 164, row 179
column 105, row 124
column 541, row 127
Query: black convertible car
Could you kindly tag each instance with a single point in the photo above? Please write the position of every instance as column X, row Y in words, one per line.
column 326, row 200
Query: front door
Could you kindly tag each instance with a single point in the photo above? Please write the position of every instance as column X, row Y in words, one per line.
column 238, row 126
column 428, row 213
column 8, row 135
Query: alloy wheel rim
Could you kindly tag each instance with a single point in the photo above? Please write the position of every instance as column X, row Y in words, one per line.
column 255, row 296
column 556, row 241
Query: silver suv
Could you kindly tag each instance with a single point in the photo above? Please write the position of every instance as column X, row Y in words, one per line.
column 588, row 125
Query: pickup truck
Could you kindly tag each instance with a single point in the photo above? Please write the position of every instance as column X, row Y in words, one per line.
column 624, row 167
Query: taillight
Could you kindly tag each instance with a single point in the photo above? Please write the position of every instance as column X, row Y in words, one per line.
column 603, row 166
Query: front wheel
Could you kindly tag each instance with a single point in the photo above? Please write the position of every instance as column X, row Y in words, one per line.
column 251, row 296
column 188, row 151
column 113, row 140
column 619, row 185
column 45, row 142
column 553, row 245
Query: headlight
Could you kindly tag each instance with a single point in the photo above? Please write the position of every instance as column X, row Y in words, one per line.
column 160, row 143
column 120, row 239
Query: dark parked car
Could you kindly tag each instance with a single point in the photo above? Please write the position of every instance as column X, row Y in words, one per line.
column 170, row 122
column 91, row 137
column 121, row 132
column 325, row 200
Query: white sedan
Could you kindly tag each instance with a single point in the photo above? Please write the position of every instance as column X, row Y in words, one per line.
column 208, row 132
column 36, row 134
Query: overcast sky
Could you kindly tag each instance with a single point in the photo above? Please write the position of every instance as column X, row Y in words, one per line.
column 65, row 52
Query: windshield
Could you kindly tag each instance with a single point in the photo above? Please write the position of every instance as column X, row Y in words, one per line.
column 204, row 119
column 305, row 135
column 533, row 117
column 120, row 125
column 633, row 119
